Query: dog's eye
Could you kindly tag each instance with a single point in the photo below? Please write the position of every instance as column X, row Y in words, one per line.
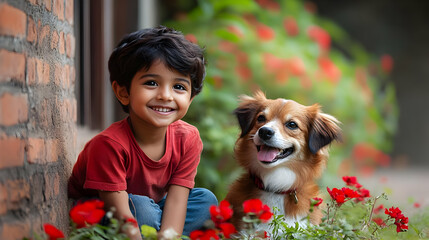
column 261, row 118
column 291, row 125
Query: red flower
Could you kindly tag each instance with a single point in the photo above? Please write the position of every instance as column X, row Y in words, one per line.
column 379, row 221
column 269, row 4
column 350, row 193
column 296, row 66
column 363, row 193
column 204, row 235
column 337, row 195
column 316, row 201
column 319, row 35
column 386, row 63
column 401, row 221
column 53, row 232
column 264, row 32
column 191, row 37
column 256, row 207
column 89, row 212
column 222, row 213
column 227, row 229
column 417, row 205
column 351, row 181
column 291, row 26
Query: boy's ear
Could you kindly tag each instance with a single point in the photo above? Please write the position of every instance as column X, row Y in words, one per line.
column 121, row 93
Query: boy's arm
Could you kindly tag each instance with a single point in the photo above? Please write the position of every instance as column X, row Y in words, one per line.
column 119, row 200
column 174, row 213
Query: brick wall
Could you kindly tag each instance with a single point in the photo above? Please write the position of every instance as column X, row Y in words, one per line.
column 37, row 114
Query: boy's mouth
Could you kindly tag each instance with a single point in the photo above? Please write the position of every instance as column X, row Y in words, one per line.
column 162, row 109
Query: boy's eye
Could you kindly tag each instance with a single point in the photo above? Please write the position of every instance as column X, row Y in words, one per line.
column 179, row 87
column 150, row 83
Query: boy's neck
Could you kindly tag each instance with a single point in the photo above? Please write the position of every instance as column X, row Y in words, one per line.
column 150, row 139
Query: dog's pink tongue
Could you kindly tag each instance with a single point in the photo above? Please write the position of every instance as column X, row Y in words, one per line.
column 267, row 154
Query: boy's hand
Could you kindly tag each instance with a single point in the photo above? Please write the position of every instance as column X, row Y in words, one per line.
column 175, row 209
column 119, row 200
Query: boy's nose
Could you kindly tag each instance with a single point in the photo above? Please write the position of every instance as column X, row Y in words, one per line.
column 165, row 94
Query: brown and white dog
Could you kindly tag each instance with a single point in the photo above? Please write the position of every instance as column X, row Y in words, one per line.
column 282, row 150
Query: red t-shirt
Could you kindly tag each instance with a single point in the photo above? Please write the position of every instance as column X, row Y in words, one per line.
column 113, row 161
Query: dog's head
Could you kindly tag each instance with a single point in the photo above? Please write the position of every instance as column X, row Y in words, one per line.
column 283, row 130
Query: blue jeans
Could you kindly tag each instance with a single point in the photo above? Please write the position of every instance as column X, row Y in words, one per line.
column 148, row 212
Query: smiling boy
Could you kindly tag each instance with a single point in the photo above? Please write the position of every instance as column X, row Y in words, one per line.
column 145, row 165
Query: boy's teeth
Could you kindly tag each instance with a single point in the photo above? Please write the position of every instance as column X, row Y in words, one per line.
column 162, row 109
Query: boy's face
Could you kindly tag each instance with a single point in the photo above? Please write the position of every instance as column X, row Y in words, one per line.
column 158, row 96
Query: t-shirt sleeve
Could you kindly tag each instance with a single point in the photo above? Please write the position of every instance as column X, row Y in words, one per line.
column 185, row 173
column 106, row 168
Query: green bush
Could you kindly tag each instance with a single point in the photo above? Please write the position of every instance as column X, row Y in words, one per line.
column 288, row 51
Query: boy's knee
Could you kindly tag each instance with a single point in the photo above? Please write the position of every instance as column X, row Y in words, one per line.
column 204, row 195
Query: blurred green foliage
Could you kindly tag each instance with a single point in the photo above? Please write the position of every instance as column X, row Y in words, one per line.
column 285, row 49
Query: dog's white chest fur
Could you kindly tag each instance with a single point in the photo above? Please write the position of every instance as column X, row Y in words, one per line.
column 277, row 201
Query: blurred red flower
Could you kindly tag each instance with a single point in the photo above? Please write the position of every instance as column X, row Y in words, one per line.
column 244, row 72
column 351, row 181
column 236, row 31
column 227, row 229
column 88, row 212
column 321, row 36
column 291, row 26
column 363, row 193
column 329, row 69
column 386, row 63
column 255, row 206
column 132, row 221
column 269, row 4
column 221, row 213
column 379, row 221
column 296, row 66
column 191, row 37
column 209, row 234
column 378, row 209
column 417, row 205
column 264, row 32
column 53, row 232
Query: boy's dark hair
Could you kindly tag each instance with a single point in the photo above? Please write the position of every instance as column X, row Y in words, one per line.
column 140, row 49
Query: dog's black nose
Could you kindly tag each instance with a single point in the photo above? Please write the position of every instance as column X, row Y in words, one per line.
column 265, row 133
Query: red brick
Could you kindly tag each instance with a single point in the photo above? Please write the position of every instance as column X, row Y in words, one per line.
column 17, row 190
column 14, row 109
column 44, row 33
column 3, row 199
column 70, row 45
column 59, row 9
column 37, row 71
column 15, row 230
column 12, row 66
column 69, row 11
column 60, row 75
column 31, row 31
column 52, row 186
column 36, row 151
column 61, row 47
column 47, row 4
column 55, row 39
column 51, row 150
column 72, row 76
column 12, row 21
column 11, row 152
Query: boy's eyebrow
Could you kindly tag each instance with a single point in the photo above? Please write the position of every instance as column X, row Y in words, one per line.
column 156, row 75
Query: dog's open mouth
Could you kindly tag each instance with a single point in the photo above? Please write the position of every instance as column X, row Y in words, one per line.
column 267, row 154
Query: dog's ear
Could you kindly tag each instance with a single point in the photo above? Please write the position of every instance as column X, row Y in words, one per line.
column 246, row 113
column 323, row 131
